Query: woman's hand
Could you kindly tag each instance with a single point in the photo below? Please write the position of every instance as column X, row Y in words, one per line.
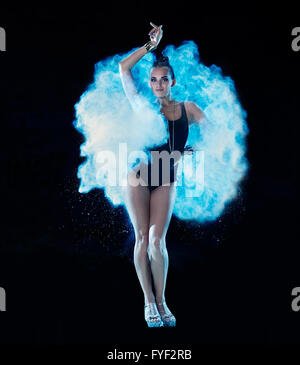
column 155, row 34
column 188, row 150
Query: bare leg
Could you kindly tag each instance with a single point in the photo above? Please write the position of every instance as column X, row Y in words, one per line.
column 161, row 207
column 137, row 200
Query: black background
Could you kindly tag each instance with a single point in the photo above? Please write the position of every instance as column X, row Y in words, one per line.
column 66, row 258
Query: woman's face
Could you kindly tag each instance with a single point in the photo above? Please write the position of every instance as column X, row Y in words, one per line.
column 161, row 81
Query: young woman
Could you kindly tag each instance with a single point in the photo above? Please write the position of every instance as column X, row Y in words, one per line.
column 150, row 207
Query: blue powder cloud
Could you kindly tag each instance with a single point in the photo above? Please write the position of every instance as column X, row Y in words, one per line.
column 108, row 121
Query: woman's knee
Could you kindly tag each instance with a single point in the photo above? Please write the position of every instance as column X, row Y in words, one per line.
column 142, row 240
column 157, row 243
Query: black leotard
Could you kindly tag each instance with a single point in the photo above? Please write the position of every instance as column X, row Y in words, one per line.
column 181, row 131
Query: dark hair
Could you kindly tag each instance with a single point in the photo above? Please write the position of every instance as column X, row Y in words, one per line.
column 163, row 61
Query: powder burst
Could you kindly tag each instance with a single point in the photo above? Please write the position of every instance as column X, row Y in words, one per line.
column 107, row 120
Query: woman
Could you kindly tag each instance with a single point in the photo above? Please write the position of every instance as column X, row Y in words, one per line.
column 150, row 207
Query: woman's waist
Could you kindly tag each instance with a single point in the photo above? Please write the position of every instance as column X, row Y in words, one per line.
column 176, row 146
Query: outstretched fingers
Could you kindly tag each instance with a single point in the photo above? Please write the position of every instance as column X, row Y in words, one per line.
column 153, row 25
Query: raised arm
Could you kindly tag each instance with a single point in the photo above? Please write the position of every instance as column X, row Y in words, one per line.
column 126, row 75
column 127, row 63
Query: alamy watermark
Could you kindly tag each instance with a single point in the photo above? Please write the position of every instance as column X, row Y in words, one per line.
column 113, row 167
column 296, row 41
column 2, row 300
column 2, row 39
column 296, row 300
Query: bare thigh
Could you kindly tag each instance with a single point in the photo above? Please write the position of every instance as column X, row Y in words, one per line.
column 137, row 200
column 161, row 207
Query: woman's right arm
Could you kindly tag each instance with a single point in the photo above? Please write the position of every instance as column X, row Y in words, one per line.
column 127, row 63
column 125, row 67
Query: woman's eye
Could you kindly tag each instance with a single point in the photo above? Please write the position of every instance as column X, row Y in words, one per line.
column 164, row 80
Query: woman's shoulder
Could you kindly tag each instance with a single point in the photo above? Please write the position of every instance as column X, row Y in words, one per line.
column 189, row 110
column 193, row 111
column 188, row 105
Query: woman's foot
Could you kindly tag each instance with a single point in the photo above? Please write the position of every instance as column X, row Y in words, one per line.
column 152, row 315
column 167, row 317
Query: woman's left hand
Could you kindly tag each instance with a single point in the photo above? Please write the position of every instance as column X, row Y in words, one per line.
column 188, row 150
column 155, row 34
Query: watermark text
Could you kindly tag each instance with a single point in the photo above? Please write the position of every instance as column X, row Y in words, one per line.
column 296, row 300
column 112, row 168
column 296, row 41
column 2, row 300
column 2, row 40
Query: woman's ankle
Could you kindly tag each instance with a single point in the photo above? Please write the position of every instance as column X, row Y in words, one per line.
column 160, row 299
column 149, row 299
